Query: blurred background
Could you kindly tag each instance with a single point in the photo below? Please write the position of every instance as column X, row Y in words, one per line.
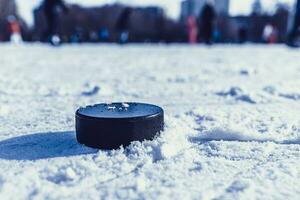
column 150, row 21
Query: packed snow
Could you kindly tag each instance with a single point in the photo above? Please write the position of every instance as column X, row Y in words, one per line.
column 232, row 122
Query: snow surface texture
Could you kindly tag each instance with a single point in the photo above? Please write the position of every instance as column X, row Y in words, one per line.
column 232, row 122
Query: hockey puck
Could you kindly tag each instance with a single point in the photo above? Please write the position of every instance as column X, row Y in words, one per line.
column 109, row 126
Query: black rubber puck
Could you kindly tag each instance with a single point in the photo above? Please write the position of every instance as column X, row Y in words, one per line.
column 109, row 126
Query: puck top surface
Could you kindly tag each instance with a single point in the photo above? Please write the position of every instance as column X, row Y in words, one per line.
column 120, row 111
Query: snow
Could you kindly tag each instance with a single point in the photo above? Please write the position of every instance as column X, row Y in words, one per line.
column 232, row 122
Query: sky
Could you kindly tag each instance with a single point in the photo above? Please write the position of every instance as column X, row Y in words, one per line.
column 172, row 7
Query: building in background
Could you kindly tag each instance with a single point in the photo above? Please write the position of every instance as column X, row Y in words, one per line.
column 257, row 8
column 7, row 7
column 222, row 7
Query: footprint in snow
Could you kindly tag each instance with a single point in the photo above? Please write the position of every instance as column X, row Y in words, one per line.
column 238, row 94
column 91, row 92
column 295, row 96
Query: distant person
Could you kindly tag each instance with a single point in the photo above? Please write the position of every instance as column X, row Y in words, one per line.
column 192, row 29
column 292, row 37
column 104, row 34
column 15, row 30
column 270, row 34
column 207, row 18
column 51, row 10
column 123, row 25
column 242, row 35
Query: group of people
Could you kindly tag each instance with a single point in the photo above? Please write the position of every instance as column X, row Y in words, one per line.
column 205, row 23
column 52, row 9
column 202, row 29
column 199, row 29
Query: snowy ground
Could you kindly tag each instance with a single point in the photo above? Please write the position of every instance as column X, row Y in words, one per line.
column 232, row 124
